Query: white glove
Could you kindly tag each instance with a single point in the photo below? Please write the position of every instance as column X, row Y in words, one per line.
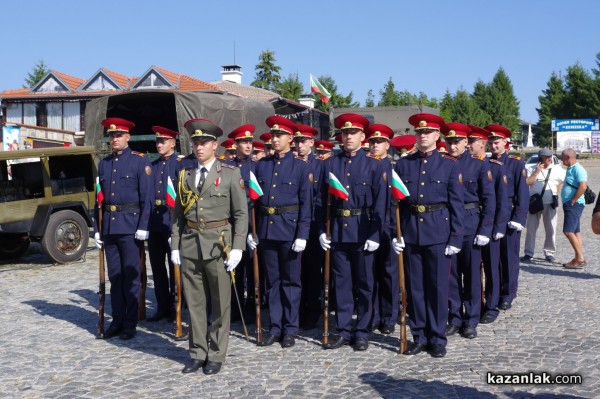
column 252, row 243
column 498, row 236
column 515, row 225
column 169, row 242
column 299, row 245
column 175, row 257
column 481, row 240
column 371, row 246
column 142, row 235
column 398, row 246
column 99, row 242
column 235, row 256
column 325, row 243
column 450, row 250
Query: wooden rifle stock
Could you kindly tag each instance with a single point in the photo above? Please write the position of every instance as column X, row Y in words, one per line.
column 256, row 270
column 102, row 281
column 178, row 307
column 326, row 275
column 143, row 283
column 403, row 338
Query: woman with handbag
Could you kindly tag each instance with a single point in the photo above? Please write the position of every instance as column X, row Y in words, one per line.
column 544, row 180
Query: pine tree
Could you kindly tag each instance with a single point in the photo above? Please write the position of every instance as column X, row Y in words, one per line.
column 267, row 72
column 37, row 74
column 389, row 95
column 290, row 87
column 337, row 100
column 370, row 101
column 504, row 108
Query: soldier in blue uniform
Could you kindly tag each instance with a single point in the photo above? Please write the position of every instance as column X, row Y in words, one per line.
column 356, row 224
column 159, row 246
column 313, row 257
column 386, row 287
column 518, row 198
column 283, row 217
column 464, row 292
column 242, row 142
column 126, row 183
column 432, row 224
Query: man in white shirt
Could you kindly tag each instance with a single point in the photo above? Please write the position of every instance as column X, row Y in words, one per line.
column 536, row 176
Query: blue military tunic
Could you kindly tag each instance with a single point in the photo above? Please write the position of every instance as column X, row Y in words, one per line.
column 464, row 294
column 431, row 218
column 126, row 183
column 283, row 214
column 354, row 221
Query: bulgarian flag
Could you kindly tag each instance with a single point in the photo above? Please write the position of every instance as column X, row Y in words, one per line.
column 336, row 188
column 317, row 87
column 99, row 193
column 171, row 193
column 399, row 190
column 254, row 188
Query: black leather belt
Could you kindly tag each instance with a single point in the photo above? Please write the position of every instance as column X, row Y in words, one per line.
column 471, row 205
column 271, row 210
column 351, row 212
column 427, row 208
column 122, row 207
column 159, row 202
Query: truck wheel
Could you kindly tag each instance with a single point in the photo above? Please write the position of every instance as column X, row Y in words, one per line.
column 13, row 246
column 66, row 236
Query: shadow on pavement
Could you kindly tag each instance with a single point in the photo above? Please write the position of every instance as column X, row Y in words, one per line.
column 558, row 270
column 147, row 339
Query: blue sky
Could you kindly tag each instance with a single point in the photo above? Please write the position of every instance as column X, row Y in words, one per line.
column 429, row 46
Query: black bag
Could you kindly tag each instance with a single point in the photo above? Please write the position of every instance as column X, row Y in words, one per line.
column 589, row 196
column 535, row 203
column 554, row 202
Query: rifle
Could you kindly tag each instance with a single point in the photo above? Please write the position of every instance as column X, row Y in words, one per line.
column 256, row 281
column 102, row 281
column 403, row 340
column 226, row 250
column 178, row 307
column 144, row 282
column 326, row 275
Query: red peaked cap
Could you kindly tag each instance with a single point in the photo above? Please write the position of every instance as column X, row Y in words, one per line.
column 426, row 121
column 243, row 132
column 405, row 142
column 258, row 146
column 266, row 138
column 305, row 131
column 456, row 130
column 164, row 133
column 379, row 130
column 498, row 131
column 441, row 146
column 117, row 125
column 229, row 145
column 352, row 121
column 279, row 124
column 478, row 133
column 323, row 145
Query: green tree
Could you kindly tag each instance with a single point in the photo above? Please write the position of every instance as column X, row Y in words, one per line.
column 267, row 72
column 551, row 102
column 504, row 107
column 370, row 101
column 581, row 100
column 389, row 96
column 36, row 74
column 337, row 100
column 291, row 87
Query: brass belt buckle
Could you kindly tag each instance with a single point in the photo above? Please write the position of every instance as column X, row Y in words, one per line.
column 113, row 208
column 271, row 210
column 346, row 212
column 420, row 208
column 158, row 202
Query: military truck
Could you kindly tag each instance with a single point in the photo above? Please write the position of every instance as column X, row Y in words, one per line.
column 47, row 195
column 171, row 109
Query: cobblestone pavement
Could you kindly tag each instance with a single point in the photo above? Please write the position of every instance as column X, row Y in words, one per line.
column 48, row 350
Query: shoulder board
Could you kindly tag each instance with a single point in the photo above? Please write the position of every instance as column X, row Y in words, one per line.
column 448, row 157
column 138, row 154
column 496, row 161
column 301, row 159
column 518, row 158
column 481, row 158
column 179, row 158
column 226, row 165
column 374, row 156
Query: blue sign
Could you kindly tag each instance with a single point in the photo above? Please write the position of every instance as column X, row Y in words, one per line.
column 573, row 125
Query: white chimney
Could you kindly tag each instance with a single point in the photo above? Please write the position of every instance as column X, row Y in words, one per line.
column 232, row 73
column 307, row 100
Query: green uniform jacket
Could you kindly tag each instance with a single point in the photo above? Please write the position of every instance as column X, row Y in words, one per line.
column 223, row 199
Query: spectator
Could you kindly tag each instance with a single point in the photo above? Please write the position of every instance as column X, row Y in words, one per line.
column 573, row 204
column 548, row 177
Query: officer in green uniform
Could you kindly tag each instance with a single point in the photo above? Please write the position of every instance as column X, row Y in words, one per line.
column 207, row 245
